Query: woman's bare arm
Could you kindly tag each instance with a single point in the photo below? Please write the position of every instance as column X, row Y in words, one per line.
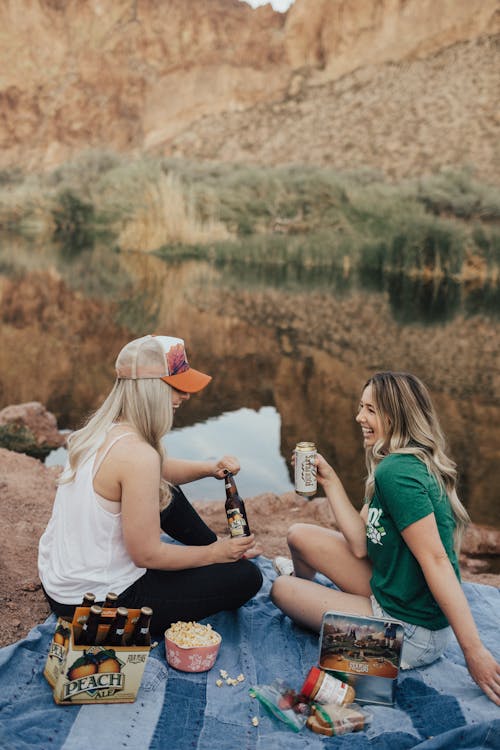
column 350, row 521
column 181, row 471
column 422, row 537
column 140, row 479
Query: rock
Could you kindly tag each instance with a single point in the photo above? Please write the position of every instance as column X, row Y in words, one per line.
column 481, row 540
column 29, row 428
column 474, row 565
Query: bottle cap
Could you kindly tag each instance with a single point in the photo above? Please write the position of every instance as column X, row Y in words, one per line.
column 310, row 681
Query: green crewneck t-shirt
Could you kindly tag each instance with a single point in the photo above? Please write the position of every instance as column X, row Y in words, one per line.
column 405, row 492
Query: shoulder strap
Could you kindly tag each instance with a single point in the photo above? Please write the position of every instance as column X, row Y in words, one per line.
column 98, row 463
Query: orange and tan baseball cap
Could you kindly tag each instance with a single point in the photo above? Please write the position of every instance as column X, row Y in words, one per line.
column 161, row 357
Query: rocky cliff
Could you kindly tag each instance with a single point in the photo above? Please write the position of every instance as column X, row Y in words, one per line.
column 165, row 75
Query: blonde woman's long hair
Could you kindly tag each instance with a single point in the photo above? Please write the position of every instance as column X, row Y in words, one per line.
column 411, row 426
column 144, row 404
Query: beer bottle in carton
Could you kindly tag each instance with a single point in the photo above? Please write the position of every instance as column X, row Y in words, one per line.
column 115, row 634
column 88, row 599
column 141, row 635
column 88, row 635
column 110, row 601
column 235, row 509
column 109, row 608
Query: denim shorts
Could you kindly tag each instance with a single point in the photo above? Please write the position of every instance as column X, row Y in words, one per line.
column 420, row 645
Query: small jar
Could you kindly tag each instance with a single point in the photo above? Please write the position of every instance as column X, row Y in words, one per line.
column 322, row 687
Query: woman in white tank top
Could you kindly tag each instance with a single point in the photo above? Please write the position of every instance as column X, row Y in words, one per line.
column 119, row 492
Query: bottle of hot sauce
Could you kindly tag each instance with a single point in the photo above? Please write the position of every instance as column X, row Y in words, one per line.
column 235, row 509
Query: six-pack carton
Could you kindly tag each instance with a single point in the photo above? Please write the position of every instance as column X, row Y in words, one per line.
column 96, row 673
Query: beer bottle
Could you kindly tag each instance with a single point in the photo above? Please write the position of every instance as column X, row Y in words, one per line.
column 114, row 636
column 88, row 635
column 88, row 600
column 141, row 635
column 235, row 509
column 110, row 601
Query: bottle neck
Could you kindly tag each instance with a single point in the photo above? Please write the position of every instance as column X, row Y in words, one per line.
column 230, row 485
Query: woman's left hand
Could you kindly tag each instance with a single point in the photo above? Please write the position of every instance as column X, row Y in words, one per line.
column 224, row 465
column 485, row 670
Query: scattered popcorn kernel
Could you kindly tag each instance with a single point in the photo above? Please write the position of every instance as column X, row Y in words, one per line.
column 240, row 678
column 229, row 681
column 255, row 721
column 223, row 673
column 219, row 683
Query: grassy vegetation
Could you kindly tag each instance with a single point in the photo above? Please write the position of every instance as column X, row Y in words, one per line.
column 447, row 225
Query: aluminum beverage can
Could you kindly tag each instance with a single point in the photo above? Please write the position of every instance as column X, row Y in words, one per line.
column 305, row 469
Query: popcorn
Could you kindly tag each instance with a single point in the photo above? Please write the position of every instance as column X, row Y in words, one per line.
column 192, row 634
column 255, row 721
column 232, row 681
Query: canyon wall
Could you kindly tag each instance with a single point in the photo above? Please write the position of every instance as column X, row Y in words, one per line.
column 143, row 75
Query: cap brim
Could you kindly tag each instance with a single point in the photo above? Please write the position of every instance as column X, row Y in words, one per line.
column 190, row 381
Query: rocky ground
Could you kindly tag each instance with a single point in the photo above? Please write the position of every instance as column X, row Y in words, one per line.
column 26, row 493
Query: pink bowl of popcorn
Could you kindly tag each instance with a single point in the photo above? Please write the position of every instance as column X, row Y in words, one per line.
column 191, row 647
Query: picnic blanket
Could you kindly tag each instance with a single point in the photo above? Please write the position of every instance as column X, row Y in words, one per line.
column 437, row 707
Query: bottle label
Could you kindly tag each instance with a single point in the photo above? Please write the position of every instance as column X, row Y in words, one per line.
column 237, row 523
column 331, row 690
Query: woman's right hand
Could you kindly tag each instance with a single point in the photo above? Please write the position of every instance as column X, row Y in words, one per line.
column 231, row 549
column 324, row 472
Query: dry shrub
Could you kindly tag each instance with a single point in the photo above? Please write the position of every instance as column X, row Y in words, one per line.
column 167, row 216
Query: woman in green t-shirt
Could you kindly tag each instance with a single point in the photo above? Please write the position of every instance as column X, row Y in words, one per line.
column 397, row 557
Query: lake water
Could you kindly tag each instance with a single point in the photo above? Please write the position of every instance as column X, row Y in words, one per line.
column 289, row 350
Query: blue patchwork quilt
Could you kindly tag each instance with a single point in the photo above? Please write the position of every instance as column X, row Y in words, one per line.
column 437, row 707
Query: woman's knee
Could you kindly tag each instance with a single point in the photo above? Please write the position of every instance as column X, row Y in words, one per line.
column 297, row 535
column 305, row 536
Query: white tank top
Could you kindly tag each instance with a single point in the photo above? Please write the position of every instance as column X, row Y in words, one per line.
column 82, row 548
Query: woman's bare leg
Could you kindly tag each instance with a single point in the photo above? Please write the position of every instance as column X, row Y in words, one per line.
column 318, row 550
column 305, row 602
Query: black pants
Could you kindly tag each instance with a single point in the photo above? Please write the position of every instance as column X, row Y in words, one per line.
column 190, row 594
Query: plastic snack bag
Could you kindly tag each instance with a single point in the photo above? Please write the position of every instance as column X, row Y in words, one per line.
column 283, row 702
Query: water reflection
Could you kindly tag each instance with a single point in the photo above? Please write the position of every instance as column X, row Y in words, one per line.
column 252, row 435
column 412, row 299
column 289, row 350
column 290, row 276
column 426, row 301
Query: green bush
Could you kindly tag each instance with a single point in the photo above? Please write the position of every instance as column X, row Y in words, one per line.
column 74, row 221
column 20, row 439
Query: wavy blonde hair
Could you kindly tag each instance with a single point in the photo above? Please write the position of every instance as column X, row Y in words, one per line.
column 145, row 404
column 411, row 426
